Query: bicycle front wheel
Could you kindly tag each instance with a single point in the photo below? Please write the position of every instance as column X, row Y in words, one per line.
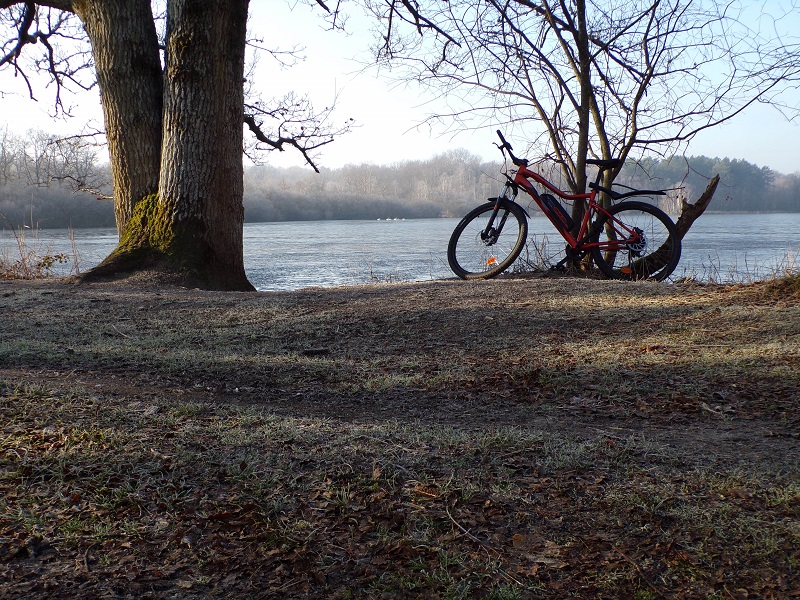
column 636, row 241
column 486, row 242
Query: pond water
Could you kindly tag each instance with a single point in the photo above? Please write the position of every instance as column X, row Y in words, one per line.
column 294, row 255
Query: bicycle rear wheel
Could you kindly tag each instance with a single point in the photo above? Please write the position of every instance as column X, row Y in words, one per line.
column 638, row 241
column 485, row 242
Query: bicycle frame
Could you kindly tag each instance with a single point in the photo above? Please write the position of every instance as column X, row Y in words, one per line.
column 626, row 234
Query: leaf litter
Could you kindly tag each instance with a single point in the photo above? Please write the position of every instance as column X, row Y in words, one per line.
column 419, row 440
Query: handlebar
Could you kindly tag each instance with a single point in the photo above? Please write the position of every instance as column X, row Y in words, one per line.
column 505, row 146
column 601, row 164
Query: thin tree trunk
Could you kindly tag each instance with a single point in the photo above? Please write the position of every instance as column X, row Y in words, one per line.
column 584, row 76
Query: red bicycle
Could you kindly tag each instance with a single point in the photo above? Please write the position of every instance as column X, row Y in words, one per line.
column 631, row 240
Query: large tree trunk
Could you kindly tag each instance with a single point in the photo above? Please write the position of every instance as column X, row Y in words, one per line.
column 189, row 231
column 201, row 165
column 126, row 56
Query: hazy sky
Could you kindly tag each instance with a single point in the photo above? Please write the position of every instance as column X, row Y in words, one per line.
column 387, row 114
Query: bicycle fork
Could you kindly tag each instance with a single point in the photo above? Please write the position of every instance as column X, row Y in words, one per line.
column 491, row 233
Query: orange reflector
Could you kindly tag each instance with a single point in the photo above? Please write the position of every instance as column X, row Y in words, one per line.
column 492, row 261
column 626, row 271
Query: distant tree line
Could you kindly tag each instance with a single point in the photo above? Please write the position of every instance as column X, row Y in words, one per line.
column 744, row 187
column 450, row 184
column 446, row 185
column 50, row 183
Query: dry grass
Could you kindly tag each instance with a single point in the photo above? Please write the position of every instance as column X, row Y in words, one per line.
column 450, row 440
column 32, row 259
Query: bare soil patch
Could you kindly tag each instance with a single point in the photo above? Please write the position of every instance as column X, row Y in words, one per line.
column 504, row 439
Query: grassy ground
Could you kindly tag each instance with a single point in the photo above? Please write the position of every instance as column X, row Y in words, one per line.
column 541, row 438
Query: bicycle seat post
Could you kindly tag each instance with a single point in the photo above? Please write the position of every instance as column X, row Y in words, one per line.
column 597, row 179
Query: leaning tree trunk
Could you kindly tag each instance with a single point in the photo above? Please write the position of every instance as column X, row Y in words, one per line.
column 126, row 57
column 691, row 212
column 190, row 230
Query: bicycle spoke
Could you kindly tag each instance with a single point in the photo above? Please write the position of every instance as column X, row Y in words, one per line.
column 638, row 241
column 484, row 244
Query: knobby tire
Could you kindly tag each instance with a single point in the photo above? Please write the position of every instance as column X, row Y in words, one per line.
column 470, row 257
column 656, row 259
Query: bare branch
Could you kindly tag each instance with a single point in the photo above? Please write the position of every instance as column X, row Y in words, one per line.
column 23, row 37
column 40, row 25
column 650, row 74
column 294, row 123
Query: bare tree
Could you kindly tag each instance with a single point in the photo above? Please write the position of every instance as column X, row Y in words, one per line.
column 7, row 156
column 584, row 78
column 175, row 137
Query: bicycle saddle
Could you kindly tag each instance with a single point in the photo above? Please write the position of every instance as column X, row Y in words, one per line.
column 611, row 163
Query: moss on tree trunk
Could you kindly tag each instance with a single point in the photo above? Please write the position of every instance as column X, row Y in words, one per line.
column 152, row 244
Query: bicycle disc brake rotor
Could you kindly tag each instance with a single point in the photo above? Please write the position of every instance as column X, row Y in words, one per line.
column 638, row 248
column 489, row 238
